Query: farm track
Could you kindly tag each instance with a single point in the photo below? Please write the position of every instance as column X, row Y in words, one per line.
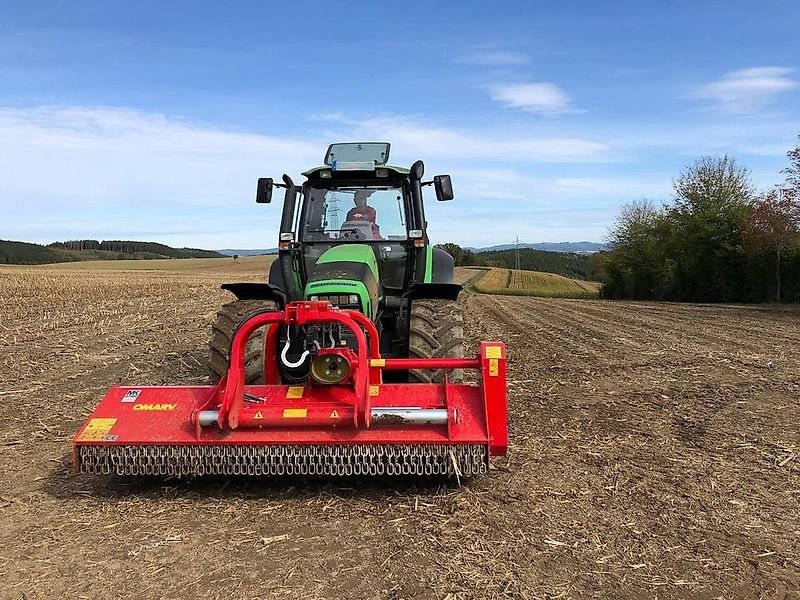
column 654, row 452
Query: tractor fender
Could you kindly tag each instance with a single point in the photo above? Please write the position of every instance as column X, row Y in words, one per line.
column 442, row 291
column 442, row 268
column 256, row 291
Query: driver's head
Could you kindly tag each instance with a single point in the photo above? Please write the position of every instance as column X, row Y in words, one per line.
column 360, row 197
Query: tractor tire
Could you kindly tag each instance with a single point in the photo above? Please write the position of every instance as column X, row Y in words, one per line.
column 219, row 346
column 436, row 331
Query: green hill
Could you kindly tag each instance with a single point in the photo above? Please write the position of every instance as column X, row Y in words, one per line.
column 567, row 264
column 23, row 253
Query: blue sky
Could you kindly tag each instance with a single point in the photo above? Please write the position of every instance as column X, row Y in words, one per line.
column 152, row 120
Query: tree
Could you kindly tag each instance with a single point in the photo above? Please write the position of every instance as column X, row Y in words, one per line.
column 636, row 266
column 792, row 172
column 461, row 256
column 774, row 225
column 713, row 196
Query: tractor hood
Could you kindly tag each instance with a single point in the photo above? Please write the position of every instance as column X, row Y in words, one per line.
column 343, row 272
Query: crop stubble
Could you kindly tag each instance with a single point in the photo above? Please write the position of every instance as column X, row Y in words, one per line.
column 654, row 453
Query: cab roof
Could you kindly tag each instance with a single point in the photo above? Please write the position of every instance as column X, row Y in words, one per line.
column 397, row 170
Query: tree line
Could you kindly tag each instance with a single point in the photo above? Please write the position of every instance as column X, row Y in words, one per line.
column 568, row 264
column 24, row 253
column 717, row 240
column 152, row 249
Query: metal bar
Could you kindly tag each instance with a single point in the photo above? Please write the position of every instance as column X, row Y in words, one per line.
column 431, row 363
column 335, row 415
column 409, row 416
column 271, row 374
column 493, row 384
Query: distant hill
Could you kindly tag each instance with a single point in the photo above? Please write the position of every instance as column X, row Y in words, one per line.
column 576, row 247
column 24, row 253
column 257, row 252
column 567, row 264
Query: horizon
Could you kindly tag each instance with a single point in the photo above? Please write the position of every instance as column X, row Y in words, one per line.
column 521, row 243
column 152, row 122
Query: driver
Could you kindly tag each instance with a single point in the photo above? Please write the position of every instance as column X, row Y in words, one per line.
column 363, row 212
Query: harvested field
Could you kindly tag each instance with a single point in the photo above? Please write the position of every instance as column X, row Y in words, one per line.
column 655, row 453
column 513, row 282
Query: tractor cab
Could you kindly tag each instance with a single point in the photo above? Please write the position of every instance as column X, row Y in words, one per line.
column 357, row 200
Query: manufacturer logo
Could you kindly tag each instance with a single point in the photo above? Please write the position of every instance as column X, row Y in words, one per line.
column 131, row 395
column 154, row 406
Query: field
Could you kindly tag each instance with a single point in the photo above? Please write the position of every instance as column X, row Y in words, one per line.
column 512, row 282
column 655, row 453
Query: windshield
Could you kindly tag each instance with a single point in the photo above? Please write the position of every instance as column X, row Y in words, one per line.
column 371, row 152
column 355, row 214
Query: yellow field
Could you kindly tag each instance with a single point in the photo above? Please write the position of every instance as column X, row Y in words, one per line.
column 534, row 283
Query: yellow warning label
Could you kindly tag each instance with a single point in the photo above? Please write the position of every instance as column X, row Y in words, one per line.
column 141, row 407
column 101, row 424
column 493, row 367
column 374, row 390
column 494, row 352
column 295, row 413
column 258, row 415
column 334, row 415
column 96, row 430
column 296, row 391
column 377, row 362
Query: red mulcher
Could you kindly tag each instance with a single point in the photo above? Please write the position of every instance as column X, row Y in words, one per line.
column 343, row 421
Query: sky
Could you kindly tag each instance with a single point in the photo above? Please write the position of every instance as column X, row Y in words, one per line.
column 152, row 120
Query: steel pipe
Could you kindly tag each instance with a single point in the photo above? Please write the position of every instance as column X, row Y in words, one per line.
column 381, row 415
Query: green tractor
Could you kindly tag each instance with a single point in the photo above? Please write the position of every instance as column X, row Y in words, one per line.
column 354, row 234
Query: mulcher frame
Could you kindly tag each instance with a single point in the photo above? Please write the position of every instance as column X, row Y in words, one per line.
column 362, row 411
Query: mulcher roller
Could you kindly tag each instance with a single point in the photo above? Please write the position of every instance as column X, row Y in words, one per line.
column 344, row 421
column 341, row 460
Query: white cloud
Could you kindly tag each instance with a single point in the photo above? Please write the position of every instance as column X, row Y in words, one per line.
column 99, row 172
column 493, row 58
column 540, row 98
column 102, row 156
column 414, row 137
column 748, row 90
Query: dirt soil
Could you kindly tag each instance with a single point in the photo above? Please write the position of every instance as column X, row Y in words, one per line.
column 655, row 453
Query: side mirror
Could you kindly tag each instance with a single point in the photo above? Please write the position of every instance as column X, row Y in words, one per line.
column 264, row 190
column 443, row 187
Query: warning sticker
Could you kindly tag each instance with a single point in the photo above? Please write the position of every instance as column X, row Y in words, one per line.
column 374, row 390
column 334, row 414
column 377, row 362
column 97, row 430
column 258, row 415
column 494, row 352
column 295, row 391
column 295, row 413
column 131, row 395
column 493, row 367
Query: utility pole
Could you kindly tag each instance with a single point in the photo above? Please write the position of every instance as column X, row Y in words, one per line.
column 516, row 249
